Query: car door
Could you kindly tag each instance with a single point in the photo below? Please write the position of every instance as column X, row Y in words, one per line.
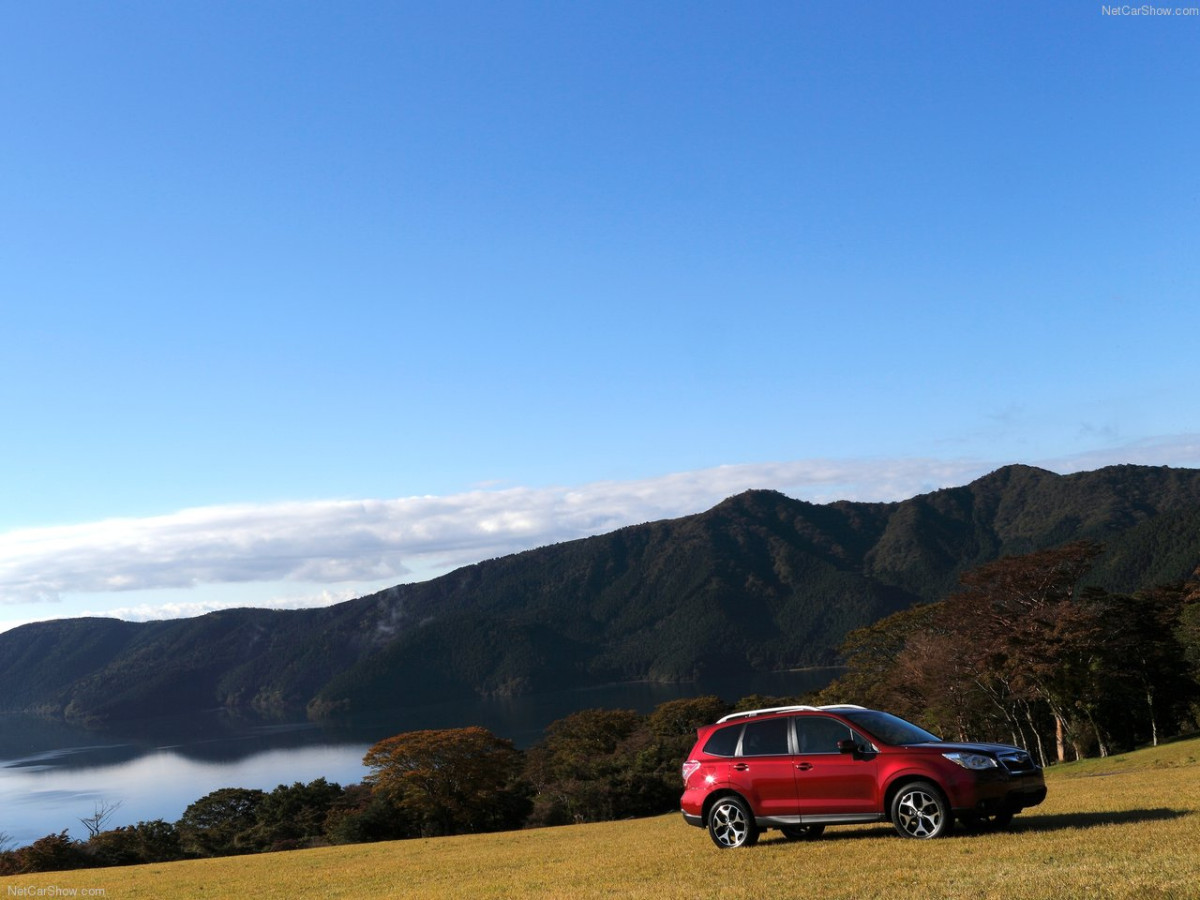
column 828, row 781
column 763, row 770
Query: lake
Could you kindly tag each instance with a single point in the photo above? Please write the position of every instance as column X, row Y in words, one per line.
column 53, row 774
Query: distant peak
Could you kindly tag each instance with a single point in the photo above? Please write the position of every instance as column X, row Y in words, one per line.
column 1015, row 472
column 753, row 500
column 752, row 495
column 1021, row 468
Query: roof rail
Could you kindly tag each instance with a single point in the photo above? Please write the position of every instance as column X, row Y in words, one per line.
column 750, row 713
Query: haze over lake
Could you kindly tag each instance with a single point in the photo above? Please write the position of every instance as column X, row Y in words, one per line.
column 53, row 774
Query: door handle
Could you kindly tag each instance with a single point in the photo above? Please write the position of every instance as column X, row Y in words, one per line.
column 803, row 767
column 741, row 767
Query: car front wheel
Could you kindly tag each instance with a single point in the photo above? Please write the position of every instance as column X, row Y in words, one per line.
column 731, row 825
column 920, row 811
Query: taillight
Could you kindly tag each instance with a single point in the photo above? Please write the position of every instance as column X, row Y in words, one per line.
column 689, row 767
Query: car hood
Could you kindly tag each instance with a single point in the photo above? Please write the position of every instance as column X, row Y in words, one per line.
column 951, row 747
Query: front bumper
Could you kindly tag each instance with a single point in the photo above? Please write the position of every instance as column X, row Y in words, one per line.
column 1004, row 793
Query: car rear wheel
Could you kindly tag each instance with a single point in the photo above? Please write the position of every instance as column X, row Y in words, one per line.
column 920, row 811
column 731, row 825
column 803, row 832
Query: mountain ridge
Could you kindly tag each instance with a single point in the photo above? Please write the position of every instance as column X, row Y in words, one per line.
column 760, row 581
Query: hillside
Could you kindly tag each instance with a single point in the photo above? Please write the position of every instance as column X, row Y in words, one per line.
column 760, row 582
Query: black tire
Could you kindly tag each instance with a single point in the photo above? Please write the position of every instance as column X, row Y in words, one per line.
column 919, row 810
column 803, row 832
column 731, row 824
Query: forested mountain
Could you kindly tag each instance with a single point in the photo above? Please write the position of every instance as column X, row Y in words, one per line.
column 759, row 582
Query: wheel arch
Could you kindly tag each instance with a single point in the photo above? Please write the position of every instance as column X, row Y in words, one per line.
column 711, row 800
column 900, row 781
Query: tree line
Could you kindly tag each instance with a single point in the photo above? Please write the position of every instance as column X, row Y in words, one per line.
column 1025, row 652
column 591, row 766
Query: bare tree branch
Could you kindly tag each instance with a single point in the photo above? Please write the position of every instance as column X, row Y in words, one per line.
column 104, row 811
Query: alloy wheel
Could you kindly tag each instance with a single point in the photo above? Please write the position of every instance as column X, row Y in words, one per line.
column 730, row 825
column 920, row 814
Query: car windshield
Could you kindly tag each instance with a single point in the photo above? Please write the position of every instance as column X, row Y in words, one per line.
column 888, row 728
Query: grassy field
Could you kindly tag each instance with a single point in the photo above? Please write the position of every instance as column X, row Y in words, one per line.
column 1123, row 827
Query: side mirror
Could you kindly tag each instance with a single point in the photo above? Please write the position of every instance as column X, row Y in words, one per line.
column 849, row 745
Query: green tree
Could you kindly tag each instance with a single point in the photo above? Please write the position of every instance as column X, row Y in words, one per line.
column 145, row 842
column 295, row 815
column 585, row 768
column 674, row 723
column 1151, row 681
column 221, row 823
column 363, row 815
column 1187, row 631
column 671, row 727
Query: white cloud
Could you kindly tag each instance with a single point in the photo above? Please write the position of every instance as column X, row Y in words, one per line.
column 386, row 541
column 1177, row 450
column 334, row 541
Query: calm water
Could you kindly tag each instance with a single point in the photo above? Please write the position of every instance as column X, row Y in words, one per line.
column 52, row 775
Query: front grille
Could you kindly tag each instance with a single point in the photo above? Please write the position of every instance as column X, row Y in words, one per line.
column 1017, row 762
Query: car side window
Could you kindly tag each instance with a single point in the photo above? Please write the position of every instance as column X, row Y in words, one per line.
column 766, row 738
column 820, row 734
column 723, row 741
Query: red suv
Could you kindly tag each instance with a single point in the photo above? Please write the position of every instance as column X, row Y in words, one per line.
column 800, row 768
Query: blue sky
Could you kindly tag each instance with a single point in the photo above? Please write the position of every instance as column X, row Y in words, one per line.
column 299, row 300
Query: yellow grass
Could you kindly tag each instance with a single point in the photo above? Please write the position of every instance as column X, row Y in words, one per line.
column 1125, row 827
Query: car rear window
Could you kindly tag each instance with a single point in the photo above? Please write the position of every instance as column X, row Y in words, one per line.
column 723, row 741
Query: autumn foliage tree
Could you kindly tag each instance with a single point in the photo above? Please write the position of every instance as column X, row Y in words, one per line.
column 450, row 781
column 1025, row 652
column 1036, row 636
column 52, row 853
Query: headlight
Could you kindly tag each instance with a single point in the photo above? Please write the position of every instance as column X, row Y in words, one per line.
column 976, row 761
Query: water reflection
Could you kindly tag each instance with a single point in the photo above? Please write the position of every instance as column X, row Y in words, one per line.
column 53, row 774
column 159, row 784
